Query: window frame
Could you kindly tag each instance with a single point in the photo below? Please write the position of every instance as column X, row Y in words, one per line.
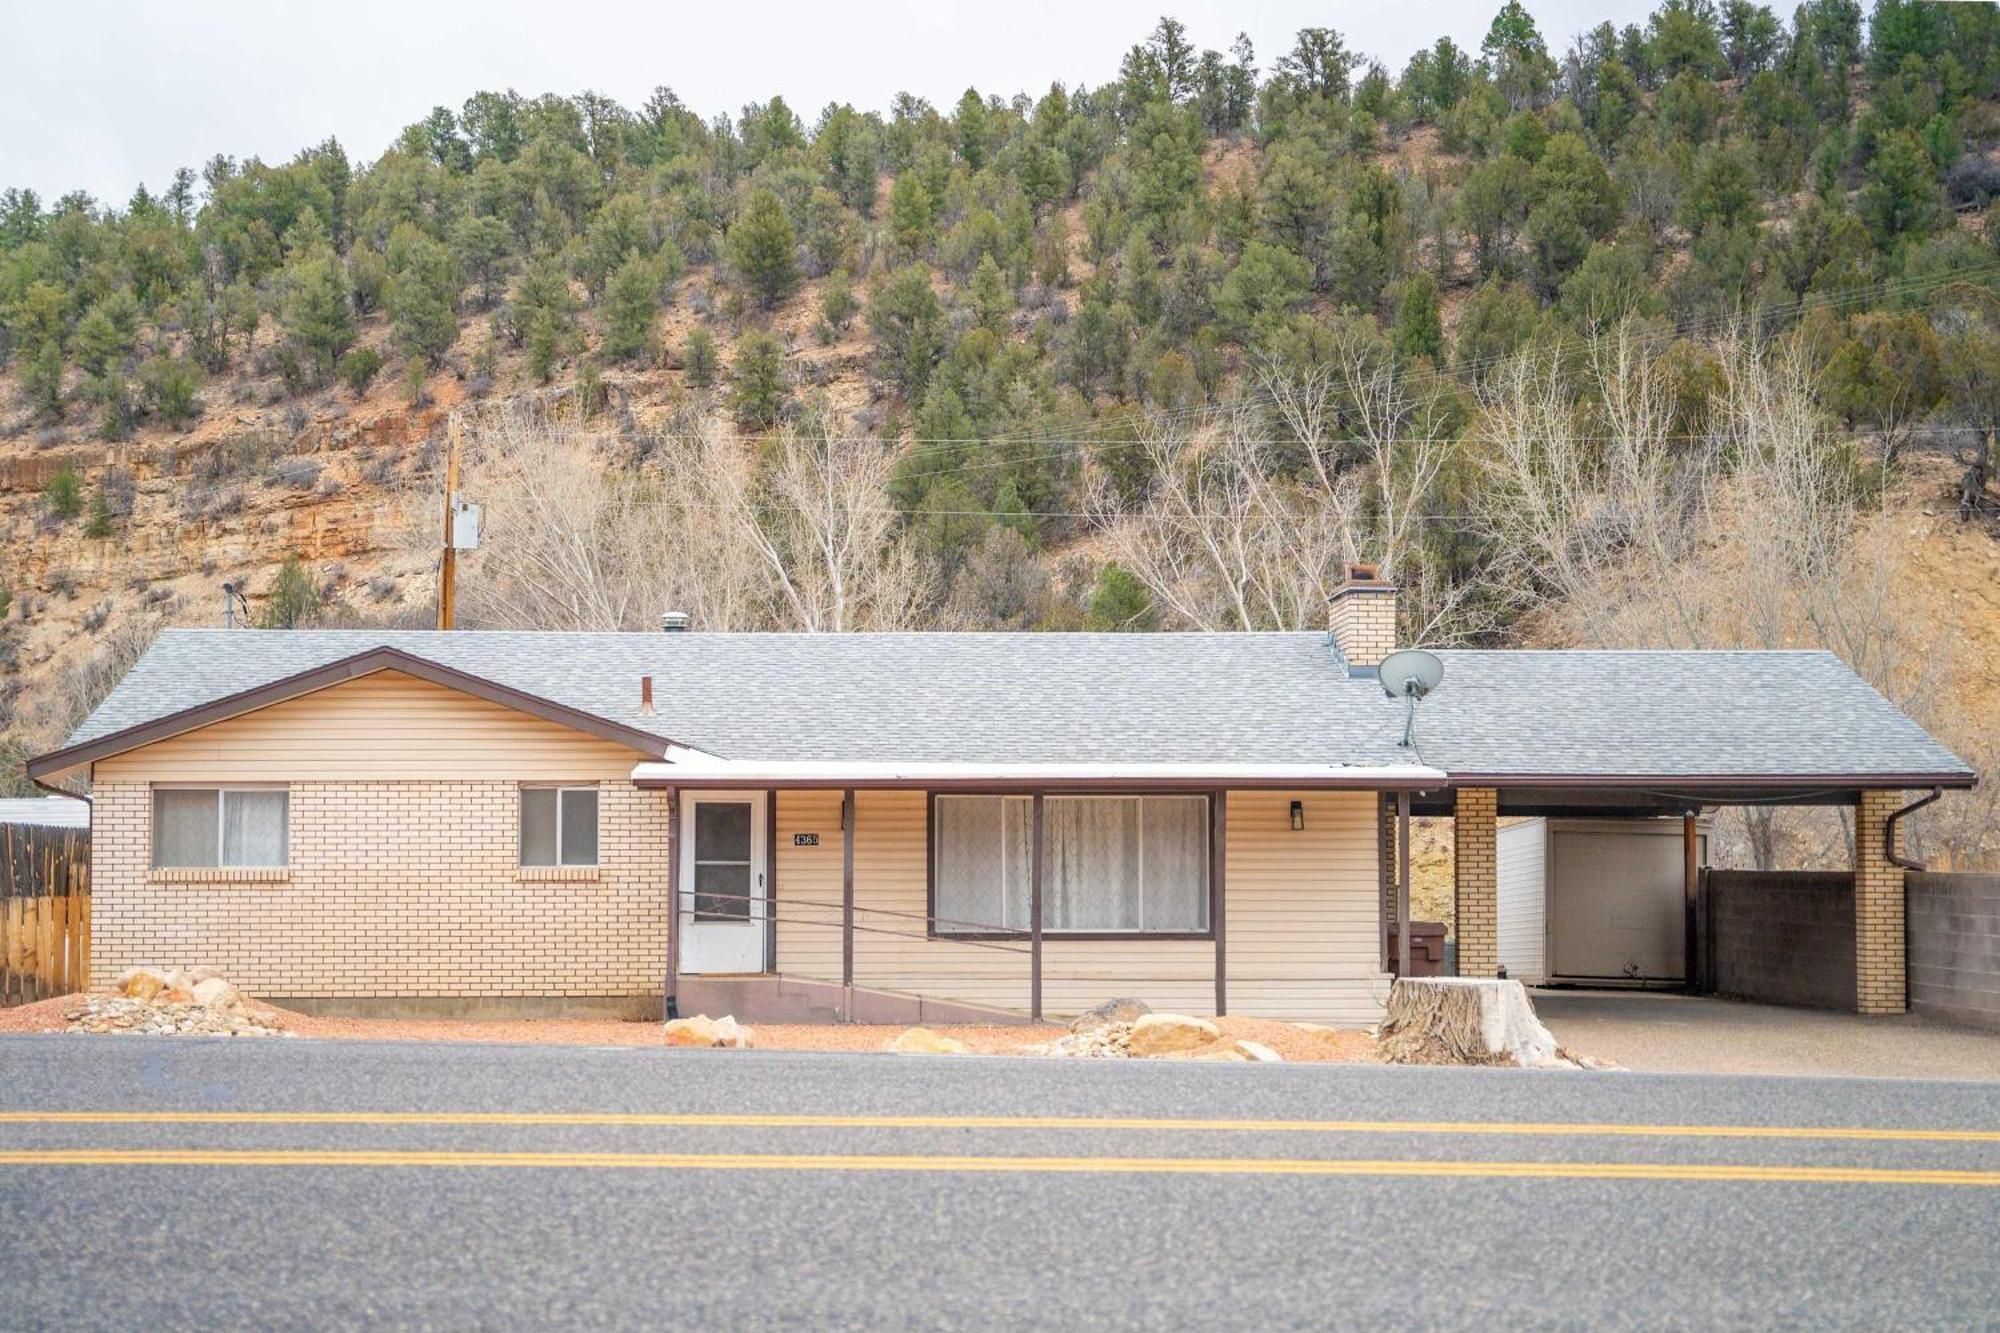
column 562, row 791
column 1211, row 869
column 222, row 790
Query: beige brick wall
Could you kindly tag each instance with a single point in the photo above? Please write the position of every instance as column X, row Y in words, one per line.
column 1363, row 622
column 1879, row 981
column 1476, row 881
column 396, row 889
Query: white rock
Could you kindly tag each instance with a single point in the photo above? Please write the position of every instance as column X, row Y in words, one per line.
column 1257, row 1050
column 214, row 993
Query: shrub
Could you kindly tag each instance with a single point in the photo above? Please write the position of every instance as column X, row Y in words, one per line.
column 170, row 385
column 358, row 369
column 64, row 493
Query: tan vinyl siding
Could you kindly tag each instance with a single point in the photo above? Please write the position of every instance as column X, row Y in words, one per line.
column 1301, row 916
column 383, row 726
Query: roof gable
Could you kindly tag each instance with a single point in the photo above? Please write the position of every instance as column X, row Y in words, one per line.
column 84, row 749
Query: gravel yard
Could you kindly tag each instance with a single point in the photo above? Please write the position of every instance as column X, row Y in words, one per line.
column 1294, row 1042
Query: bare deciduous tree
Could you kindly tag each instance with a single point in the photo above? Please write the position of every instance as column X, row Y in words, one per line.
column 585, row 533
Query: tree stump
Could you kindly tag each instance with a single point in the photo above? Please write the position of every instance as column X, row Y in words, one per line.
column 1465, row 1021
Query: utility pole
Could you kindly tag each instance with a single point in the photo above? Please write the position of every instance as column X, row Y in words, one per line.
column 448, row 564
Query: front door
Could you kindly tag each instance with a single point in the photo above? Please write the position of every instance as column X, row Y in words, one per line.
column 722, row 903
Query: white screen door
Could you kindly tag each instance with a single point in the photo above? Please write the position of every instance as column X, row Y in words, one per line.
column 721, row 896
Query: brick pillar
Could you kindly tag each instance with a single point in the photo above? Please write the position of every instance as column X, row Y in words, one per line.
column 1878, row 908
column 1476, row 881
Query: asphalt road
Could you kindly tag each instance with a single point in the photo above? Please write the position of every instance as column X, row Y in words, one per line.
column 209, row 1184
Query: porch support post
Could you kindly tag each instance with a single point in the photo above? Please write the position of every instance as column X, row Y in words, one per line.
column 668, row 1002
column 1879, row 961
column 1402, row 884
column 1690, row 893
column 1035, row 918
column 1218, row 864
column 847, row 895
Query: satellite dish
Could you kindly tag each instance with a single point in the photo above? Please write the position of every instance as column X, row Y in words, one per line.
column 1411, row 673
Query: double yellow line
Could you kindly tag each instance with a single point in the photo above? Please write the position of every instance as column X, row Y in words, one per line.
column 853, row 1162
column 1500, row 1128
column 1082, row 1165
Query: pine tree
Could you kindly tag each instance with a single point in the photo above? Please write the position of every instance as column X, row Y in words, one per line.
column 763, row 250
column 632, row 307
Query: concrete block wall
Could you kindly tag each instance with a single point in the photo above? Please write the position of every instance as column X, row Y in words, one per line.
column 1954, row 939
column 396, row 889
column 1780, row 936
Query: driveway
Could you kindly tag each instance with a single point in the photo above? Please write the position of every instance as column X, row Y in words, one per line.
column 205, row 1183
column 1685, row 1034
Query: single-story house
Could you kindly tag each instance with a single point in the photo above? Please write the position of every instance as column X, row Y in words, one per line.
column 1026, row 822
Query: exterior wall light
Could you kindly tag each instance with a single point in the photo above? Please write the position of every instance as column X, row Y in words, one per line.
column 1298, row 815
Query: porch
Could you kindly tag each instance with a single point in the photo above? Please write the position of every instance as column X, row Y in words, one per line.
column 1269, row 907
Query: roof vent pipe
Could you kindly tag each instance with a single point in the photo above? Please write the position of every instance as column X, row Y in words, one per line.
column 673, row 622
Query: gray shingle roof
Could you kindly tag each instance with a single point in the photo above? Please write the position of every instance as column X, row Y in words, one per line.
column 1692, row 714
column 1277, row 698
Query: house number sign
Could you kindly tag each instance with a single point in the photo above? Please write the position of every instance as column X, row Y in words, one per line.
column 805, row 840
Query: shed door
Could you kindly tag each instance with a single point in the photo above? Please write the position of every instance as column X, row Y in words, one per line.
column 1616, row 907
column 722, row 897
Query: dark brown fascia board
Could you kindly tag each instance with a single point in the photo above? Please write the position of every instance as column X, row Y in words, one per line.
column 1692, row 784
column 1020, row 788
column 335, row 673
column 1698, row 781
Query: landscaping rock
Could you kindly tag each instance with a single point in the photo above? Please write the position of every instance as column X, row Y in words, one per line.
column 1111, row 1011
column 1110, row 1042
column 141, row 983
column 701, row 1030
column 124, row 1013
column 1258, row 1051
column 696, row 1031
column 1162, row 1034
column 923, row 1041
column 214, row 992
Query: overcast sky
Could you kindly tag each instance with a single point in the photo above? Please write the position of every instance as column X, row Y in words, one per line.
column 100, row 96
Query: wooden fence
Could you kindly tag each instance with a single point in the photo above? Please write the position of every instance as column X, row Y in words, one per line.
column 44, row 912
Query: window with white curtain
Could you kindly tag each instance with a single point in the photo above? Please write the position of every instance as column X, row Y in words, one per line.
column 1110, row 864
column 558, row 826
column 205, row 827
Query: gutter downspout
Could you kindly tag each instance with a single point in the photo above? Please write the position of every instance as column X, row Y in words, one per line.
column 1889, row 852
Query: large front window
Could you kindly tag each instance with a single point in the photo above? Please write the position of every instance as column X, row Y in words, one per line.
column 197, row 828
column 1110, row 864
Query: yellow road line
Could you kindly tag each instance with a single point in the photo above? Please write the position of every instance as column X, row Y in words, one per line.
column 1231, row 1166
column 695, row 1121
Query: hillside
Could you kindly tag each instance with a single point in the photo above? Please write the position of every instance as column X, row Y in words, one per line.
column 1052, row 346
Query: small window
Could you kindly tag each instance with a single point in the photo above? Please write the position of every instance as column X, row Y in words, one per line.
column 558, row 826
column 205, row 827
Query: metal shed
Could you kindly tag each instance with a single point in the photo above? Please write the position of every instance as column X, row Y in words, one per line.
column 1597, row 901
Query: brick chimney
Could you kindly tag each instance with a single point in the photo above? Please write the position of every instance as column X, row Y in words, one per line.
column 1362, row 616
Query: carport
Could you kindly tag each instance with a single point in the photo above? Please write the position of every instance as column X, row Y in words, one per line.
column 1677, row 737
column 1875, row 882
